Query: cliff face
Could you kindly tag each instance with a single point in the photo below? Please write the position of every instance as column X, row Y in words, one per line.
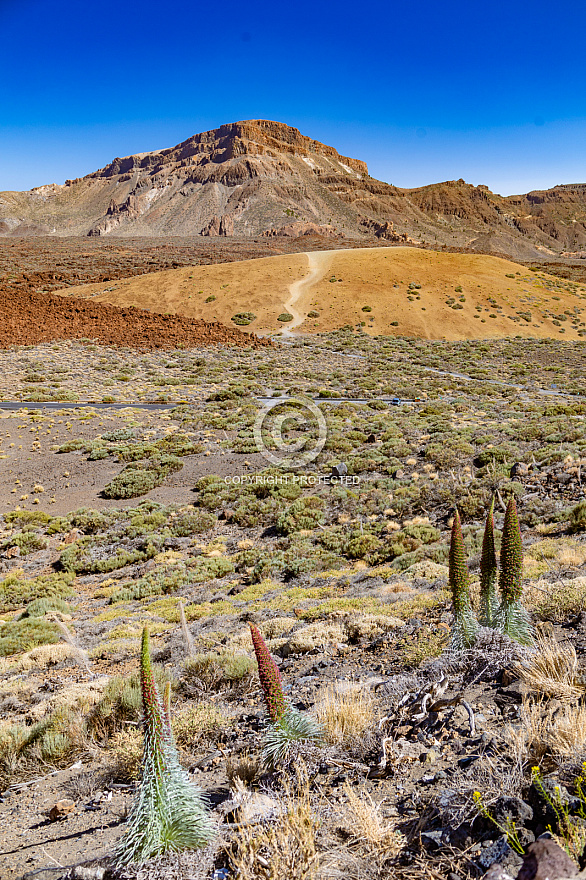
column 265, row 178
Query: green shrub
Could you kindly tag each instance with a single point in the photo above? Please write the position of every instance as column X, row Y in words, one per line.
column 142, row 476
column 16, row 592
column 23, row 518
column 27, row 542
column 73, row 445
column 285, row 317
column 80, row 557
column 119, row 435
column 305, row 513
column 179, row 444
column 186, row 524
column 242, row 319
column 578, row 517
column 42, row 606
column 17, row 636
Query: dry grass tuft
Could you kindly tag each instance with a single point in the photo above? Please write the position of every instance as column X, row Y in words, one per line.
column 243, row 770
column 316, row 635
column 345, row 715
column 42, row 656
column 125, row 748
column 366, row 827
column 546, row 736
column 552, row 670
column 284, row 849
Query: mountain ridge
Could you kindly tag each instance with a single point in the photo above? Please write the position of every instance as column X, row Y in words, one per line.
column 257, row 178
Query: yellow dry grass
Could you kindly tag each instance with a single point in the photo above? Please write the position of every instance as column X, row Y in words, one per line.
column 340, row 284
column 552, row 670
column 345, row 714
column 42, row 656
column 366, row 826
column 543, row 735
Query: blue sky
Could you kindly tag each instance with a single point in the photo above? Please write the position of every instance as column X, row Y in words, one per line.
column 494, row 93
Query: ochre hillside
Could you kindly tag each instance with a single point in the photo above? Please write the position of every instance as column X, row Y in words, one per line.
column 398, row 290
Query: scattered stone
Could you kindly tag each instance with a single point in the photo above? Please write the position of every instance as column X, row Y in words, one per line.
column 340, row 470
column 61, row 809
column 545, row 860
column 520, row 469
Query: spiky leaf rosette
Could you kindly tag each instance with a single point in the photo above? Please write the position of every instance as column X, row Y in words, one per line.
column 488, row 573
column 270, row 677
column 511, row 618
column 292, row 726
column 168, row 812
column 465, row 625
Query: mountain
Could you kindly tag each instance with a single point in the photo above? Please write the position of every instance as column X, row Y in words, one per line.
column 261, row 178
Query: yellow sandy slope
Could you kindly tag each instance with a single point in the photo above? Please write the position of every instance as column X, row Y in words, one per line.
column 340, row 285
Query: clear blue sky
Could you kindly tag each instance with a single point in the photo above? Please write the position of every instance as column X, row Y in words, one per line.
column 425, row 91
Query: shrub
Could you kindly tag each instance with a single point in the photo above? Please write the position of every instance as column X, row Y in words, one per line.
column 186, row 524
column 16, row 592
column 40, row 607
column 242, row 319
column 27, row 542
column 305, row 513
column 80, row 557
column 74, row 445
column 17, row 636
column 578, row 517
column 22, row 518
column 142, row 476
column 285, row 317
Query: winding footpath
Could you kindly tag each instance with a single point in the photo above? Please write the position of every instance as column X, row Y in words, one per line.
column 319, row 263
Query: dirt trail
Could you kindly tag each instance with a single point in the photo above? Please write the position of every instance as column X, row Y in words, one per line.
column 319, row 263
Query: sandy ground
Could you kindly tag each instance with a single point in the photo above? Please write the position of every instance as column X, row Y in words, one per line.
column 461, row 296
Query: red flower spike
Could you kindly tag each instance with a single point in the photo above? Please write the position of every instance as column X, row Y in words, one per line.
column 270, row 677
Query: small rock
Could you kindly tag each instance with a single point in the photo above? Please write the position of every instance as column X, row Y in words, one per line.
column 340, row 470
column 11, row 553
column 258, row 808
column 432, row 840
column 520, row 469
column 72, row 536
column 87, row 872
column 511, row 809
column 497, row 872
column 499, row 852
column 61, row 809
column 545, row 860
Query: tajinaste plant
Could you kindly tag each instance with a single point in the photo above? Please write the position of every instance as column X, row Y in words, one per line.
column 168, row 812
column 465, row 624
column 511, row 618
column 287, row 724
column 488, row 573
